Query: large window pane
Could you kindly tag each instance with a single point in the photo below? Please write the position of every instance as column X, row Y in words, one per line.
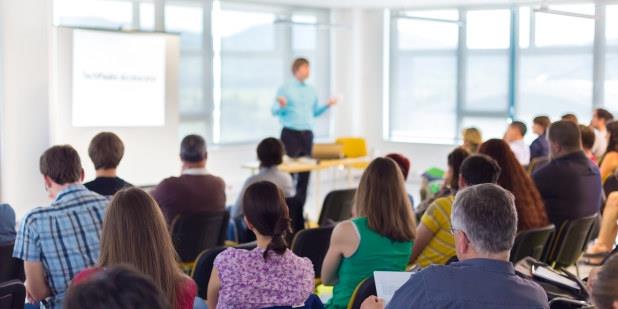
column 247, row 94
column 555, row 30
column 487, row 82
column 188, row 20
column 555, row 84
column 611, row 81
column 192, row 84
column 489, row 127
column 304, row 32
column 611, row 24
column 424, row 93
column 246, row 31
column 93, row 13
column 146, row 16
column 488, row 29
column 425, row 34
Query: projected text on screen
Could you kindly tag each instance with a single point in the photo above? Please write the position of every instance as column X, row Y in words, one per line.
column 118, row 79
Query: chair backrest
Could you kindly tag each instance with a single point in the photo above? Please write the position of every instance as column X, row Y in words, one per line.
column 363, row 290
column 531, row 243
column 313, row 302
column 569, row 242
column 12, row 295
column 353, row 147
column 194, row 233
column 313, row 244
column 337, row 207
column 10, row 268
column 204, row 264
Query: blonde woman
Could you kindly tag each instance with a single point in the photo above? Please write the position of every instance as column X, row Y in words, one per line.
column 380, row 238
column 135, row 233
column 472, row 139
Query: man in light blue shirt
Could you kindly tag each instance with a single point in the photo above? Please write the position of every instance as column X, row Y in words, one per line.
column 296, row 106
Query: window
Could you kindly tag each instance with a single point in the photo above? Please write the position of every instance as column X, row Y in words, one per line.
column 611, row 58
column 253, row 53
column 487, row 67
column 424, row 76
column 556, row 67
column 93, row 13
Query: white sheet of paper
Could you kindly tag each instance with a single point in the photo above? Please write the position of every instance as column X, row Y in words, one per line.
column 388, row 282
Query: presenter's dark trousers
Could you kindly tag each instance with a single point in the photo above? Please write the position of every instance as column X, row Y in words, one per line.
column 298, row 144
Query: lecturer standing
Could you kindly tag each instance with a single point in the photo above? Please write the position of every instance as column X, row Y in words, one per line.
column 296, row 106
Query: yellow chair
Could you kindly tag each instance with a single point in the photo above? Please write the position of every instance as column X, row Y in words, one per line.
column 354, row 147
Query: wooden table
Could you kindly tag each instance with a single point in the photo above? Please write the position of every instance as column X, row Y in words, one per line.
column 304, row 164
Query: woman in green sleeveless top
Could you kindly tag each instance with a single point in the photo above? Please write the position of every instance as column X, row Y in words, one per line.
column 379, row 239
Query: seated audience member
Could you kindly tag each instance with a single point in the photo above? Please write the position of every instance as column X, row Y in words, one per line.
column 570, row 184
column 135, row 233
column 380, row 238
column 600, row 119
column 269, row 275
column 540, row 147
column 118, row 287
column 404, row 166
column 7, row 225
column 434, row 240
column 58, row 241
column 531, row 212
column 605, row 242
column 472, row 139
column 484, row 226
column 514, row 136
column 603, row 284
column 451, row 180
column 106, row 150
column 270, row 152
column 588, row 138
column 570, row 117
column 609, row 162
column 195, row 191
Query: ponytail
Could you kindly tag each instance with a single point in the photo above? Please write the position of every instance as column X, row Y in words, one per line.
column 278, row 243
column 266, row 210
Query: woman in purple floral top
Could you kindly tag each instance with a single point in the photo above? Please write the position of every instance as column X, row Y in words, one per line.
column 270, row 275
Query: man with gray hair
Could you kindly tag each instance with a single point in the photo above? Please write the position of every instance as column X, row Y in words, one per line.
column 484, row 224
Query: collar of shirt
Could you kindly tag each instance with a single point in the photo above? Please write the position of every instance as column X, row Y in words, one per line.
column 195, row 171
column 297, row 82
column 489, row 265
column 68, row 190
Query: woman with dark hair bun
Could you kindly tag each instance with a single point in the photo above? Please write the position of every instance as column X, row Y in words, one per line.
column 270, row 275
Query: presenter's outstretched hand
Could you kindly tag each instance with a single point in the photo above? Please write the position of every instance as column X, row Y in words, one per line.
column 332, row 101
column 282, row 101
column 373, row 302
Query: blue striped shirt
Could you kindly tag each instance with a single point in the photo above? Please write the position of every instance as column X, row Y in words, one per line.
column 63, row 237
column 301, row 108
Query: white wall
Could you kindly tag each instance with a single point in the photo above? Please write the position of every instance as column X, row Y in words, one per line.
column 24, row 117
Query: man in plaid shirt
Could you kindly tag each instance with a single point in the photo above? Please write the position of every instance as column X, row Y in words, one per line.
column 57, row 242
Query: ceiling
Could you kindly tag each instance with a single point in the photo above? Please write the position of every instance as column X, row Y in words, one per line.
column 401, row 3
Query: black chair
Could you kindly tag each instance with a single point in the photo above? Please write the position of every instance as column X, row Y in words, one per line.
column 569, row 242
column 337, row 207
column 12, row 295
column 194, row 233
column 204, row 264
column 531, row 243
column 313, row 244
column 363, row 290
column 10, row 267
